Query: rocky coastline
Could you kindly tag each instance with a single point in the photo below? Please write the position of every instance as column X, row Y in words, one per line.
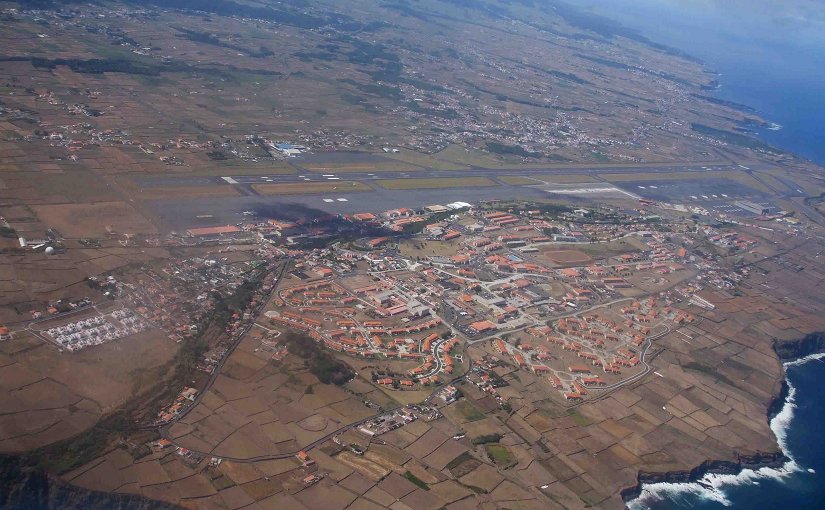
column 786, row 350
column 24, row 487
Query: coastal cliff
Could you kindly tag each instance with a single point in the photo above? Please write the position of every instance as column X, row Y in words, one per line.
column 26, row 488
column 789, row 350
column 786, row 350
column 722, row 467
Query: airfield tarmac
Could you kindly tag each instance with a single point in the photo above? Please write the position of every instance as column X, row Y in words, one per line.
column 331, row 175
column 182, row 214
column 706, row 190
column 694, row 191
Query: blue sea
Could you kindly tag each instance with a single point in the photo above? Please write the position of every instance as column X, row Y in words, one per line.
column 770, row 55
column 798, row 485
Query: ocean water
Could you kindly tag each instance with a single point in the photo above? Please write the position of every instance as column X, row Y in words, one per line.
column 770, row 55
column 798, row 485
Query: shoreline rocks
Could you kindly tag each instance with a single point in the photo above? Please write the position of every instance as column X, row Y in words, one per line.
column 786, row 350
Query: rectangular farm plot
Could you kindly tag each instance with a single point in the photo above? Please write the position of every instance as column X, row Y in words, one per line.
column 94, row 219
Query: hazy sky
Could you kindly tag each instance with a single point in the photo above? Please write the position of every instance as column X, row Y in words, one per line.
column 804, row 12
column 771, row 54
column 783, row 22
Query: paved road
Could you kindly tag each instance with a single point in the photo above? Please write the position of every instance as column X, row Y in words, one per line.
column 340, row 430
column 164, row 429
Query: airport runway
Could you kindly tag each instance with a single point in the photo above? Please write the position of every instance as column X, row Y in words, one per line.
column 710, row 192
column 332, row 176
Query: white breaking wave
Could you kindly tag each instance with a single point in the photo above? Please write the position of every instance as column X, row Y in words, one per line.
column 806, row 359
column 712, row 486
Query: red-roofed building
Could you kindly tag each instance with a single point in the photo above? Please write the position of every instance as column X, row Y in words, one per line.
column 363, row 216
column 209, row 231
column 482, row 327
column 378, row 241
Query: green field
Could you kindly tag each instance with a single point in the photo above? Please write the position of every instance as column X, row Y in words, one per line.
column 436, row 183
column 310, row 187
column 499, row 454
column 524, row 180
column 469, row 411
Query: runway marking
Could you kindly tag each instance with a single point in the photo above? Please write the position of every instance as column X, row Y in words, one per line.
column 343, row 200
column 328, row 200
column 592, row 189
column 230, row 180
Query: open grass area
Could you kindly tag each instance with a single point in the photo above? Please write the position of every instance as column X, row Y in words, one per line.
column 238, row 167
column 469, row 411
column 184, row 192
column 425, row 160
column 466, row 157
column 444, row 182
column 78, row 186
column 471, row 157
column 524, row 180
column 661, row 176
column 772, row 181
column 579, row 419
column 499, row 454
column 709, row 371
column 300, row 188
column 414, row 479
column 416, row 248
column 358, row 167
column 94, row 219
